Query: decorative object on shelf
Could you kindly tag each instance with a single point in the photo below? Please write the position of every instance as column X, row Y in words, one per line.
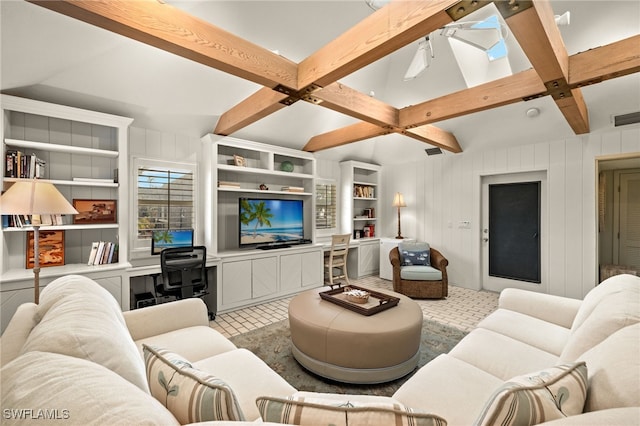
column 398, row 201
column 34, row 197
column 51, row 252
column 94, row 211
column 264, row 187
column 239, row 161
column 286, row 166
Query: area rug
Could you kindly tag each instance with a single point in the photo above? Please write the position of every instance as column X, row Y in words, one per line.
column 272, row 344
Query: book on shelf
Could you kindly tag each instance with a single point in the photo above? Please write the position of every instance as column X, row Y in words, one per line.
column 226, row 184
column 24, row 166
column 363, row 191
column 102, row 253
column 293, row 189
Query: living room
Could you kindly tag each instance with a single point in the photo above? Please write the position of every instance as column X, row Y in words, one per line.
column 174, row 121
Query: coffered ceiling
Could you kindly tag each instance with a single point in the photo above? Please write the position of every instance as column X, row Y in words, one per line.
column 336, row 78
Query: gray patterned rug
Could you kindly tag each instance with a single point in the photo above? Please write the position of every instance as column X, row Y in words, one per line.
column 272, row 344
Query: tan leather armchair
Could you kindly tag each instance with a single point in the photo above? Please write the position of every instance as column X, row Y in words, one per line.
column 417, row 288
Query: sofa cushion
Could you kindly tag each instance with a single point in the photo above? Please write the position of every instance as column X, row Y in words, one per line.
column 500, row 355
column 248, row 376
column 553, row 393
column 17, row 331
column 190, row 394
column 614, row 371
column 612, row 305
column 193, row 343
column 420, row 273
column 302, row 410
column 450, row 388
column 80, row 318
column 533, row 331
column 414, row 253
column 51, row 388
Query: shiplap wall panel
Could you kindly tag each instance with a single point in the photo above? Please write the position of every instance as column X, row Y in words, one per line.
column 574, row 218
column 452, row 194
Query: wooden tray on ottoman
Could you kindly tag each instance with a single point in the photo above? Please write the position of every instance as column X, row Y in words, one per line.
column 378, row 302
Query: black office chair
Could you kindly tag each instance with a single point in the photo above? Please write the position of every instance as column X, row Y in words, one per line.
column 184, row 273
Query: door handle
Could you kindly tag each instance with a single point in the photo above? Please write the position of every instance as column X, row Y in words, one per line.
column 535, row 235
column 485, row 240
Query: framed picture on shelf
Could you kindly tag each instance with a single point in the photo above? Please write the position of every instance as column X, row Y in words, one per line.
column 51, row 244
column 239, row 161
column 94, row 211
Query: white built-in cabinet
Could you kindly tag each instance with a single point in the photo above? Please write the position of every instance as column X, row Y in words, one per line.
column 74, row 143
column 360, row 208
column 360, row 188
column 236, row 169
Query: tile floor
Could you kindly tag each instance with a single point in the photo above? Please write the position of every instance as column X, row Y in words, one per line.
column 463, row 309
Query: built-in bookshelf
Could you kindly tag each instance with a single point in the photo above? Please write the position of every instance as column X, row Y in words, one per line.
column 80, row 153
column 360, row 185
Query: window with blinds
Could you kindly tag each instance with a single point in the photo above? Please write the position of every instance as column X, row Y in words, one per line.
column 165, row 199
column 325, row 206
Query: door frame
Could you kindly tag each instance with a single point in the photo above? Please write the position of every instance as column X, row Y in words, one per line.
column 516, row 177
column 629, row 160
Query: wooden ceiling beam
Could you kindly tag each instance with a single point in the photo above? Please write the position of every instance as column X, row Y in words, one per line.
column 496, row 93
column 435, row 136
column 345, row 100
column 606, row 62
column 539, row 37
column 397, row 24
column 345, row 135
column 172, row 30
column 257, row 106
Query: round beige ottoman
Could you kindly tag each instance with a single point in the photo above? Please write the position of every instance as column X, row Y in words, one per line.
column 339, row 344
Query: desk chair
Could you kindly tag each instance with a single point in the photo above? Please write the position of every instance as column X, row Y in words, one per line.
column 335, row 263
column 184, row 273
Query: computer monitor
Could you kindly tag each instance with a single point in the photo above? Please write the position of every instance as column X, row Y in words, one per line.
column 170, row 238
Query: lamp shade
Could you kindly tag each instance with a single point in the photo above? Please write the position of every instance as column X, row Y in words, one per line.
column 34, row 197
column 398, row 200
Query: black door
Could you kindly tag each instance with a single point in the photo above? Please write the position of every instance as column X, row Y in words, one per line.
column 514, row 231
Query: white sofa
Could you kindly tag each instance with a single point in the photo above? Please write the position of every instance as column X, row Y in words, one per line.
column 76, row 357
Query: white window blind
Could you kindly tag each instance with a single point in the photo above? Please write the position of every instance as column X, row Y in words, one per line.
column 165, row 199
column 325, row 206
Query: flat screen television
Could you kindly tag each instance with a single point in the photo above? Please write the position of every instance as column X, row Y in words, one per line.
column 268, row 222
column 170, row 238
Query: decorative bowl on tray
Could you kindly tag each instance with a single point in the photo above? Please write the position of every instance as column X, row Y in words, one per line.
column 356, row 296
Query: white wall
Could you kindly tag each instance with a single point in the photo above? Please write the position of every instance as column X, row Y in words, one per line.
column 441, row 191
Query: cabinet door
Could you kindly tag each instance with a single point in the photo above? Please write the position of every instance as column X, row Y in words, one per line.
column 290, row 272
column 236, row 281
column 369, row 258
column 312, row 265
column 264, row 276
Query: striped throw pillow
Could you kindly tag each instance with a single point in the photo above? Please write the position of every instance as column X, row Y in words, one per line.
column 299, row 410
column 550, row 394
column 191, row 395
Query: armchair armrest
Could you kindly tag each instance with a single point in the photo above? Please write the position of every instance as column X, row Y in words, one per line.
column 394, row 257
column 437, row 260
column 159, row 319
column 555, row 309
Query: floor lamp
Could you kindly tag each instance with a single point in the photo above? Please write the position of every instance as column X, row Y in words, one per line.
column 34, row 197
column 398, row 201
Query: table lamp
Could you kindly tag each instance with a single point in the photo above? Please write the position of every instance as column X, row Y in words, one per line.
column 398, row 201
column 34, row 197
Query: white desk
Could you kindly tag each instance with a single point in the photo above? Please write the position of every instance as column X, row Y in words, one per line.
column 142, row 269
column 363, row 258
